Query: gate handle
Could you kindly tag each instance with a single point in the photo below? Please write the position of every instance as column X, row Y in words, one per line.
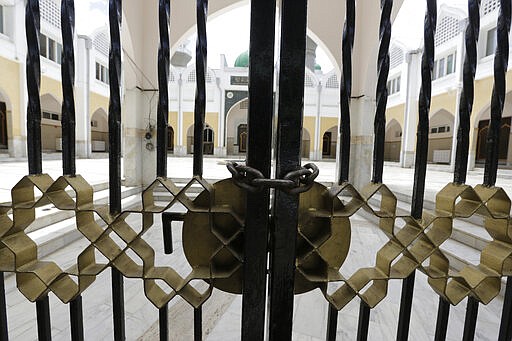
column 167, row 219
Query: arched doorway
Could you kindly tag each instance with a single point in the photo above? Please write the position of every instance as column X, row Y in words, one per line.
column 99, row 131
column 3, row 126
column 306, row 141
column 236, row 128
column 208, row 140
column 440, row 138
column 481, row 147
column 170, row 139
column 329, row 140
column 51, row 131
column 393, row 141
column 242, row 138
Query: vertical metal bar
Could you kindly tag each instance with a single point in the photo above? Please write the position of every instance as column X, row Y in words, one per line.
column 382, row 90
column 44, row 329
column 114, row 110
column 470, row 321
column 289, row 131
column 114, row 125
column 468, row 91
column 200, row 101
column 443, row 313
column 198, row 324
column 345, row 92
column 118, row 304
column 67, row 15
column 427, row 64
column 332, row 324
column 498, row 93
column 4, row 334
column 364, row 322
column 32, row 28
column 77, row 319
column 163, row 86
column 163, row 314
column 506, row 314
column 261, row 80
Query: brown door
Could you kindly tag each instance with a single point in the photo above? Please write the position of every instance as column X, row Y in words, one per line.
column 242, row 138
column 3, row 126
column 326, row 144
column 170, row 139
column 483, row 129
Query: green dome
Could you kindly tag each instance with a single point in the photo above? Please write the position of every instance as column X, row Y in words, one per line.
column 242, row 60
column 318, row 67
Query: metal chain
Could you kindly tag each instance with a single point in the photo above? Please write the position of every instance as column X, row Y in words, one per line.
column 252, row 180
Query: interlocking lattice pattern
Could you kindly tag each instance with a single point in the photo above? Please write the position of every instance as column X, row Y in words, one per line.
column 213, row 242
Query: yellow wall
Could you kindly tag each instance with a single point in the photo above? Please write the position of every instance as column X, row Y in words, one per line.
column 326, row 123
column 446, row 101
column 309, row 125
column 97, row 101
column 52, row 87
column 397, row 113
column 173, row 122
column 10, row 87
column 212, row 119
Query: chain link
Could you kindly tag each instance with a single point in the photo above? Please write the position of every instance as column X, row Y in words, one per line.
column 253, row 180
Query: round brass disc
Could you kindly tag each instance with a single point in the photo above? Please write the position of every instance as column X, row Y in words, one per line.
column 214, row 240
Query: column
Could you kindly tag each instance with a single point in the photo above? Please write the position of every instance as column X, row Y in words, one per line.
column 82, row 88
column 413, row 60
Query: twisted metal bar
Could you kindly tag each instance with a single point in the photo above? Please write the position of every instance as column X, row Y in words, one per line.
column 427, row 65
column 67, row 17
column 382, row 90
column 345, row 91
column 468, row 91
column 200, row 102
column 114, row 108
column 498, row 93
column 163, row 86
column 32, row 27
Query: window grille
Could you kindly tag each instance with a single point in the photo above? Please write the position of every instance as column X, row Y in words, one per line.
column 332, row 82
column 396, row 57
column 50, row 12
column 490, row 6
column 447, row 29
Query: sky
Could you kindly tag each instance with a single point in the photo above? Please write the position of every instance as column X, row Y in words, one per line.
column 232, row 39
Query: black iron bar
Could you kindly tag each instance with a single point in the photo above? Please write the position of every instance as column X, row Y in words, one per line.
column 114, row 125
column 67, row 15
column 118, row 304
column 382, row 90
column 4, row 333
column 163, row 322
column 498, row 93
column 260, row 116
column 420, row 168
column 345, row 92
column 443, row 313
column 44, row 329
column 32, row 28
column 77, row 319
column 470, row 321
column 364, row 322
column 198, row 324
column 200, row 101
column 163, row 86
column 506, row 314
column 468, row 91
column 289, row 131
column 332, row 324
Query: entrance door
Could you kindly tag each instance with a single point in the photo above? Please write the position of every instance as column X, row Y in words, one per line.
column 242, row 138
column 483, row 129
column 208, row 141
column 170, row 139
column 3, row 126
column 326, row 144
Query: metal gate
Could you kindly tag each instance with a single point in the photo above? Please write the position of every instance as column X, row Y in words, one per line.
column 229, row 229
